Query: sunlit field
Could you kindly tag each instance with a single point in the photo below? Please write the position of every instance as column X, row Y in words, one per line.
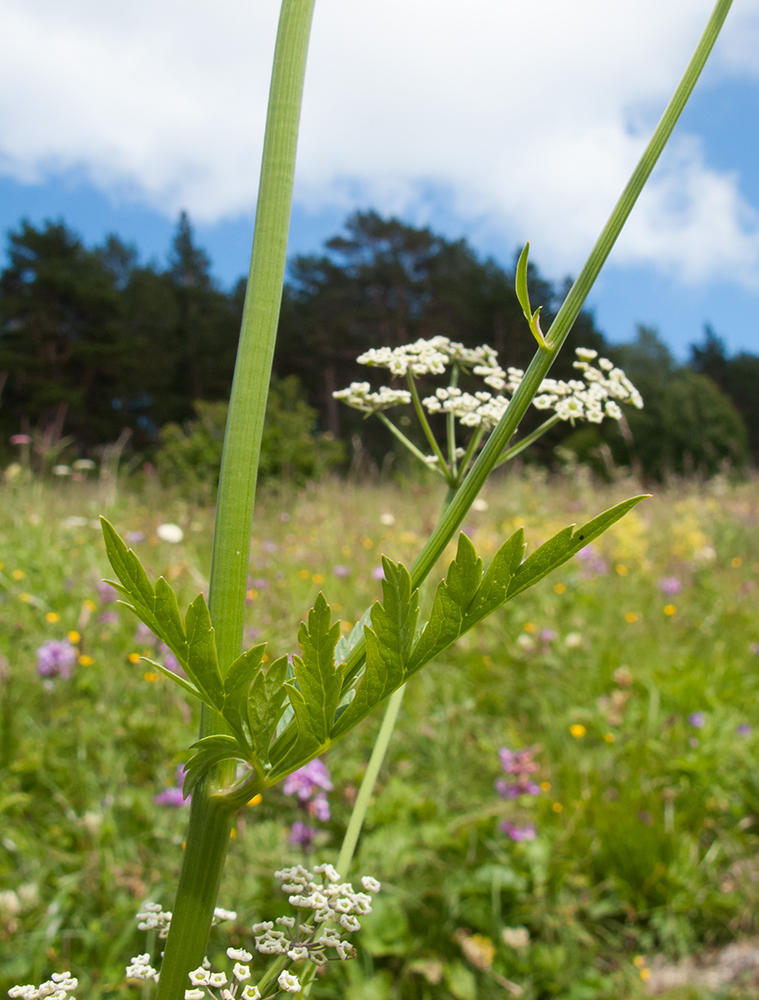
column 626, row 836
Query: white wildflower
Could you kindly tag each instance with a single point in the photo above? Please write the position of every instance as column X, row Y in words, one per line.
column 239, row 954
column 170, row 533
column 220, row 914
column 199, row 977
column 217, row 979
column 370, row 884
column 194, row 994
column 241, row 972
column 288, row 982
column 251, row 992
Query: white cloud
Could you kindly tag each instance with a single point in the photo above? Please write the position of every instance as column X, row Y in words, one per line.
column 522, row 111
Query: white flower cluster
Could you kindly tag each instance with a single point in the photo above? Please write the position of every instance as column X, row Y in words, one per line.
column 141, row 969
column 57, row 987
column 153, row 917
column 482, row 408
column 594, row 398
column 330, row 900
column 203, row 977
column 360, row 397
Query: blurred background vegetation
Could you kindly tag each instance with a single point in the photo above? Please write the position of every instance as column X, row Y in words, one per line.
column 98, row 348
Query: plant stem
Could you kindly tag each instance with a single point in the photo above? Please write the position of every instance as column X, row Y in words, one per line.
column 426, row 424
column 471, row 449
column 520, row 446
column 405, row 441
column 452, row 425
column 367, row 784
column 211, row 818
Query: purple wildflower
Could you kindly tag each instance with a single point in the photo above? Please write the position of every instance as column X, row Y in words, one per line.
column 518, row 833
column 268, row 546
column 670, row 585
column 134, row 537
column 517, row 761
column 306, row 781
column 378, row 573
column 302, row 836
column 592, row 563
column 56, row 659
column 173, row 796
column 547, row 635
column 170, row 661
column 341, row 571
column 109, row 618
column 744, row 729
column 107, row 593
column 319, row 807
column 697, row 720
column 507, row 791
column 144, row 635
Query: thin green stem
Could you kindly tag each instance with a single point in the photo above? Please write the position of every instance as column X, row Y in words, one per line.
column 422, row 416
column 525, row 442
column 470, row 451
column 358, row 814
column 452, row 425
column 405, row 441
column 211, row 817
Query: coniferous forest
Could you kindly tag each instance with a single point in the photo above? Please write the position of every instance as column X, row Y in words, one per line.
column 97, row 347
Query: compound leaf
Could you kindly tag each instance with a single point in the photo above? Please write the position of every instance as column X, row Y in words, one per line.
column 265, row 703
column 237, row 685
column 389, row 643
column 202, row 664
column 317, row 694
column 211, row 750
column 493, row 589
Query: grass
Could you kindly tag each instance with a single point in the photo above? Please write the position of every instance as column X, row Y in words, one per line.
column 630, row 696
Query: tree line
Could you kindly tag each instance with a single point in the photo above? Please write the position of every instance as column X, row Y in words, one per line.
column 95, row 340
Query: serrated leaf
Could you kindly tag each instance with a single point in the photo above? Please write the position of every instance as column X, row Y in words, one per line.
column 346, row 643
column 564, row 545
column 190, row 688
column 494, row 587
column 211, row 750
column 389, row 643
column 317, row 694
column 265, row 703
column 167, row 615
column 202, row 662
column 237, row 685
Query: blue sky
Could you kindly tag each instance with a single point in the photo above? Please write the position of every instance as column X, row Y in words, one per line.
column 117, row 160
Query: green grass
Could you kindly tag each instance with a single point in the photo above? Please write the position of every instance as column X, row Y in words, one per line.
column 646, row 838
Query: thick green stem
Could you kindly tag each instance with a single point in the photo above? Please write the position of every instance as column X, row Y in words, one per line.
column 210, row 817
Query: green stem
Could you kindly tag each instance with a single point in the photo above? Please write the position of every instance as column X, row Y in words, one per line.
column 426, row 424
column 452, row 425
column 471, row 449
column 367, row 785
column 405, row 441
column 211, row 817
column 520, row 446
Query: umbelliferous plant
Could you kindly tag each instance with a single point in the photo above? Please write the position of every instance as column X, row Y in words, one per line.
column 265, row 716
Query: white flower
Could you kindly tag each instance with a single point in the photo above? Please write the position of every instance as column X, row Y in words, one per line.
column 298, row 952
column 199, row 977
column 288, row 982
column 170, row 533
column 349, row 923
column 61, row 470
column 239, row 954
column 370, row 884
column 286, row 922
column 220, row 914
column 217, row 979
column 241, row 972
column 194, row 994
column 251, row 992
column 586, row 354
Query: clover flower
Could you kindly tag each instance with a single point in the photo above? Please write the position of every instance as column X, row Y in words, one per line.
column 520, row 764
column 56, row 659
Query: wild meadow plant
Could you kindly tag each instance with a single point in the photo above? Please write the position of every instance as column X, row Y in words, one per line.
column 266, row 718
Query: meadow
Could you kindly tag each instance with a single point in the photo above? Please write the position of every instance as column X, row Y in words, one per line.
column 628, row 679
